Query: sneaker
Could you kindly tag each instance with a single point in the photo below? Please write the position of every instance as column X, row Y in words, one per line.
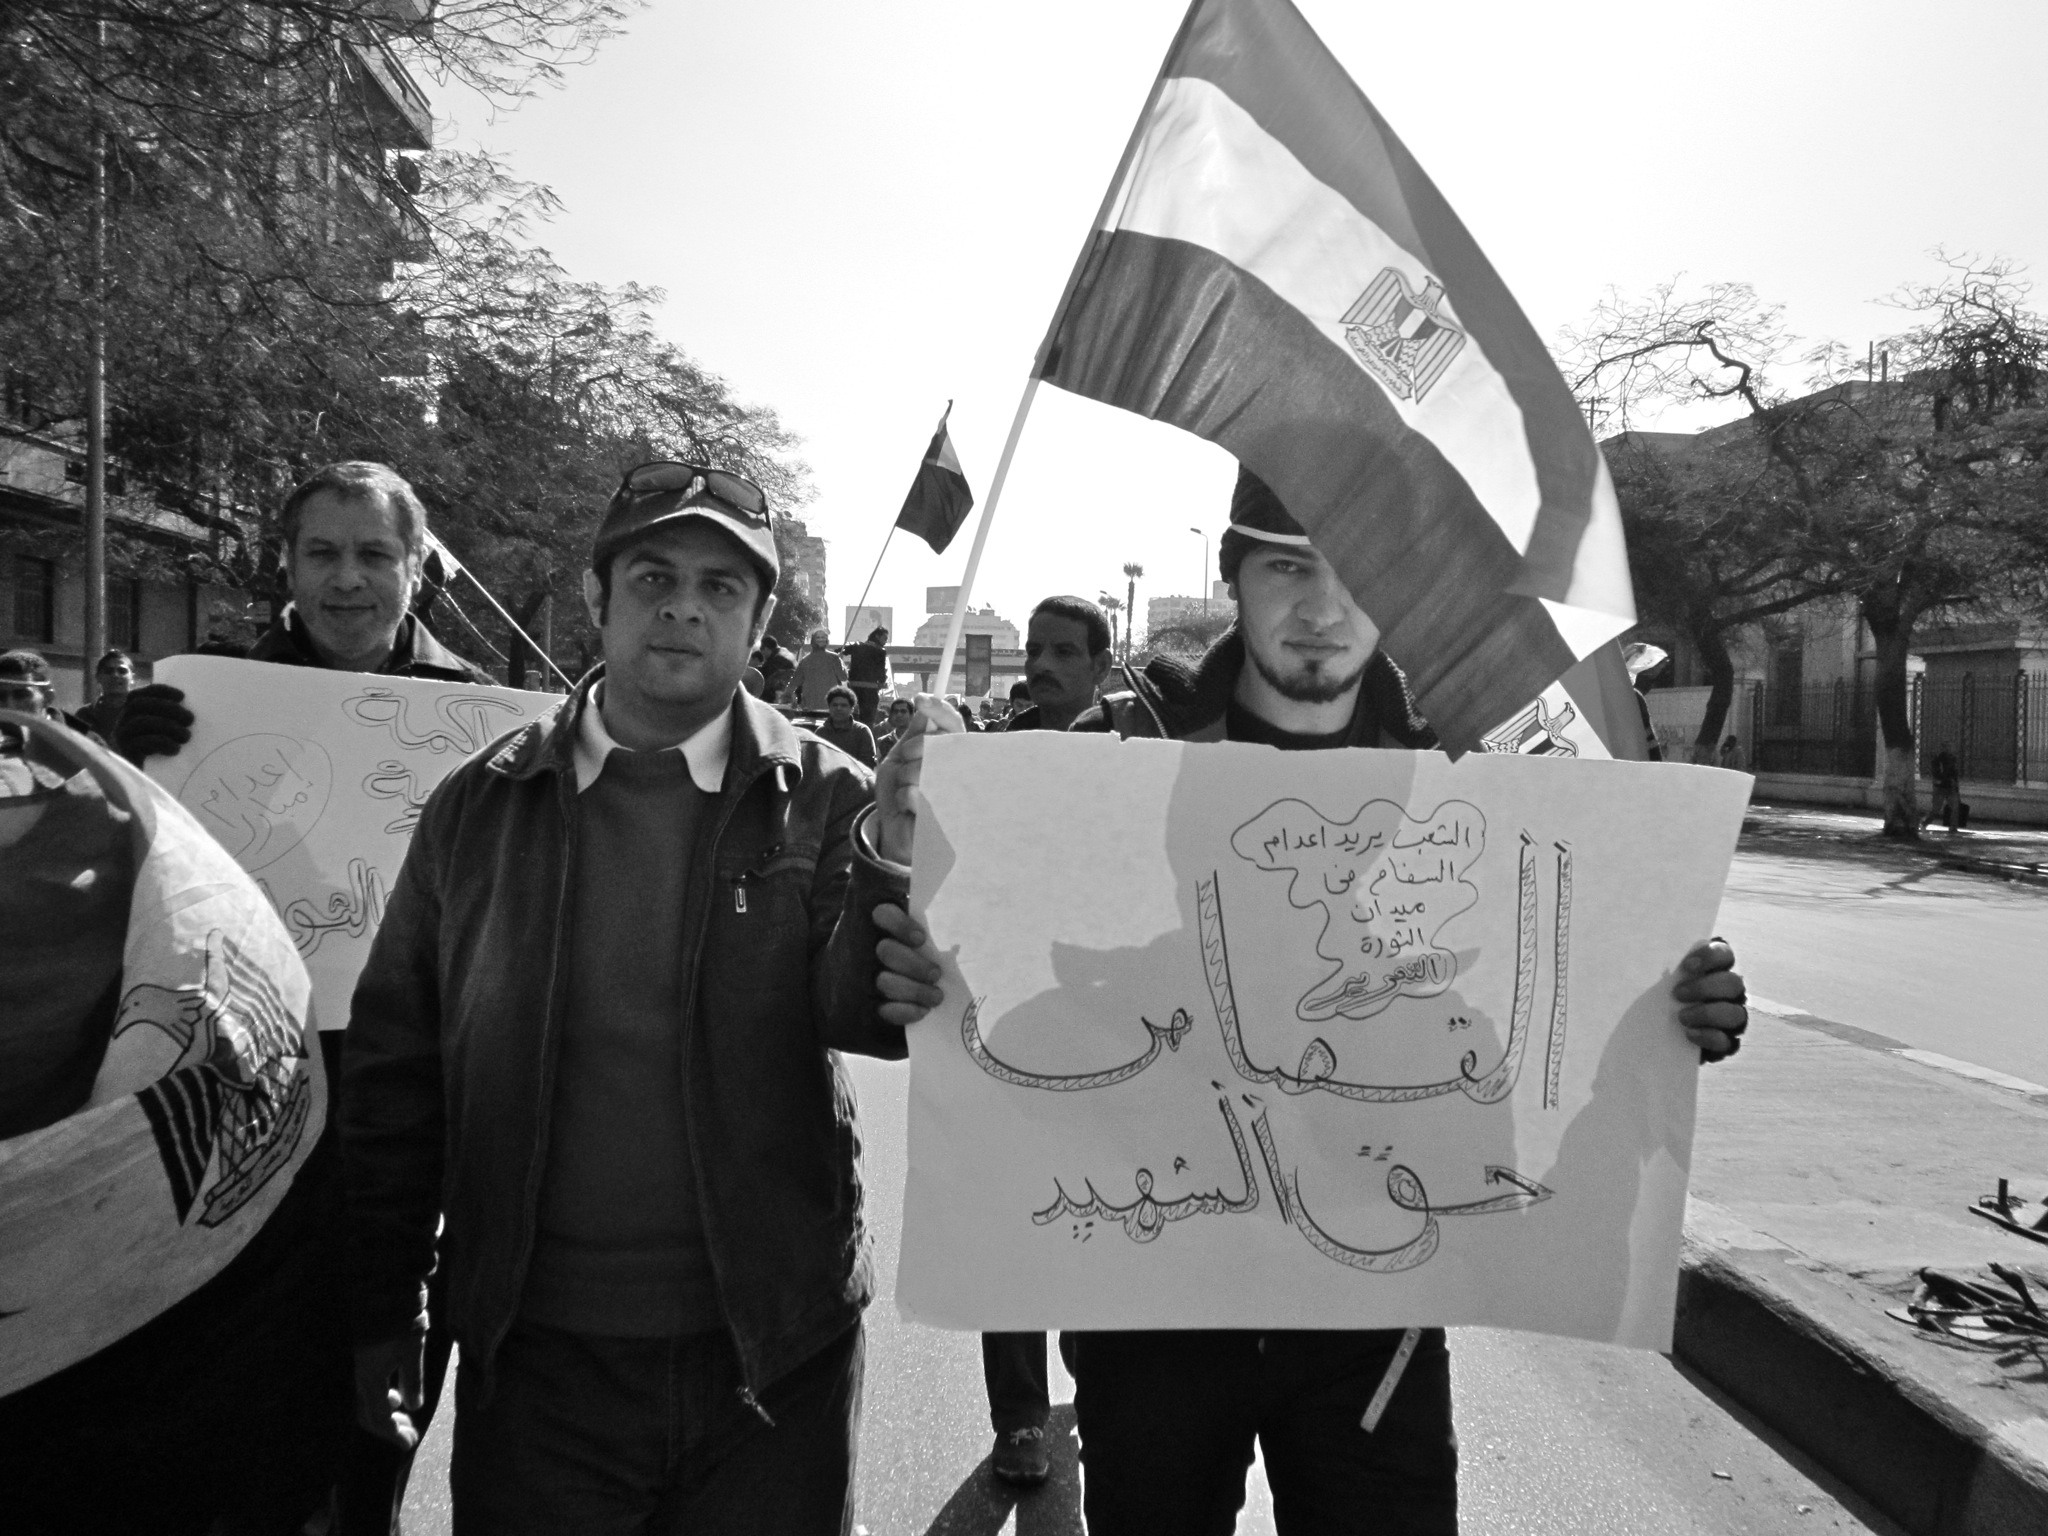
column 1021, row 1456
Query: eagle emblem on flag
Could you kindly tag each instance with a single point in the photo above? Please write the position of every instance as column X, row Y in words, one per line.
column 1402, row 336
column 1534, row 733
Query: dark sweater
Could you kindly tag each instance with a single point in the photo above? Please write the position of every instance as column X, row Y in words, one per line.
column 620, row 1248
column 853, row 738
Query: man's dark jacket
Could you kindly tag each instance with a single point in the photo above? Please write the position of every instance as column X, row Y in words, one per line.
column 456, row 1031
column 1183, row 703
column 415, row 653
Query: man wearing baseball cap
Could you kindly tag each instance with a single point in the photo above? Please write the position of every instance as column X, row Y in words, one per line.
column 597, row 1038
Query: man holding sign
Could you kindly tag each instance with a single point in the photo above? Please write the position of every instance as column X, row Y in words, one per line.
column 598, row 1033
column 355, row 549
column 1355, row 1426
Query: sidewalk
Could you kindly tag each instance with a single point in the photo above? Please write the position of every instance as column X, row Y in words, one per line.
column 2009, row 852
column 1828, row 1168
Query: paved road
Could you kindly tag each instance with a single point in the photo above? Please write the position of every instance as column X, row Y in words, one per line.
column 1943, row 961
column 1558, row 1438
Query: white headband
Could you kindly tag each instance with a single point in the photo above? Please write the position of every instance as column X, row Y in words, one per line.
column 1271, row 538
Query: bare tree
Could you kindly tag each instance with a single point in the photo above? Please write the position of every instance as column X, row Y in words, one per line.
column 1914, row 496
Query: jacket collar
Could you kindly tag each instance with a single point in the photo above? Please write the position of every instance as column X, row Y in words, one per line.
column 762, row 741
column 414, row 646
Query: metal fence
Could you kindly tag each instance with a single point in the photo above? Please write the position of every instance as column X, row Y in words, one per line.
column 1996, row 724
column 1830, row 728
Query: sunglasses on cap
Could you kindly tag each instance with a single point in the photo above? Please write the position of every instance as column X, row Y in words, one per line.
column 741, row 497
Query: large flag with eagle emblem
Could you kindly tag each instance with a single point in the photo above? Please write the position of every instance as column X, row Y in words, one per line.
column 1275, row 273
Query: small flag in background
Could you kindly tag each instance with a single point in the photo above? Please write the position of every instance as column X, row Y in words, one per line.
column 1273, row 272
column 939, row 499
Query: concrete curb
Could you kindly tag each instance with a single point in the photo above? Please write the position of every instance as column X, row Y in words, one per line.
column 1799, row 1346
column 2003, row 869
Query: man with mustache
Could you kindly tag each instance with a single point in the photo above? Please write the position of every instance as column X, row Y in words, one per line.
column 593, row 1069
column 355, row 550
column 1066, row 657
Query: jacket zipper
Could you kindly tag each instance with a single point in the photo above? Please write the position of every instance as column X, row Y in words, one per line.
column 746, row 877
column 691, row 958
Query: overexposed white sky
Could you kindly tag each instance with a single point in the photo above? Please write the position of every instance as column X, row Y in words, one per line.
column 860, row 208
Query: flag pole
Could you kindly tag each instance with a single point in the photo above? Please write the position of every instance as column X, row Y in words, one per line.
column 854, row 616
column 457, row 568
column 988, row 512
column 1059, row 315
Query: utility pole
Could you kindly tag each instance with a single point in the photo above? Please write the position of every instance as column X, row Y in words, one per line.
column 547, row 634
column 96, row 416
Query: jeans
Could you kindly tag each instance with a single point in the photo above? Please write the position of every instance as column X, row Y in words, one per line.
column 1013, row 1366
column 600, row 1435
column 1168, row 1422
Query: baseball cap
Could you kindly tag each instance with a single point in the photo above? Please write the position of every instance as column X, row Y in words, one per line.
column 668, row 491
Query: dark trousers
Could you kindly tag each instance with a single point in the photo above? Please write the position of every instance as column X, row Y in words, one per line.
column 865, row 697
column 229, row 1413
column 371, row 1492
column 1013, row 1366
column 1948, row 804
column 601, row 1435
column 1168, row 1422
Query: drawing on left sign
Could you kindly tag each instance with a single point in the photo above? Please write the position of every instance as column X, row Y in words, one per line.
column 259, row 795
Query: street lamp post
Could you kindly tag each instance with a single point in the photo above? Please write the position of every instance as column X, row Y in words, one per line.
column 1205, row 571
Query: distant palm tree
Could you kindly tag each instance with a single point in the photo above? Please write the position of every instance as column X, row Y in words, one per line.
column 1111, row 607
column 1133, row 570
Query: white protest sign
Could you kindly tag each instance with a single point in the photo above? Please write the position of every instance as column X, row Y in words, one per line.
column 1238, row 1038
column 314, row 781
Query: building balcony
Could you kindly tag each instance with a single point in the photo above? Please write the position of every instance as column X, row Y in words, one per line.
column 400, row 115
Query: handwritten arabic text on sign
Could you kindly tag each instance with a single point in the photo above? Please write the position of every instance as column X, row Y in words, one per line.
column 1241, row 1038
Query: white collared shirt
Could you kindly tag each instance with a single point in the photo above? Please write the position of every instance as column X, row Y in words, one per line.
column 705, row 751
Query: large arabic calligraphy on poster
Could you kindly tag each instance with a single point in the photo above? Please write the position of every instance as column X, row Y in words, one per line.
column 314, row 782
column 1242, row 1038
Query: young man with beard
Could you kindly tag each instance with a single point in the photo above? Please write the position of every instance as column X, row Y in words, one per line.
column 1066, row 657
column 1169, row 1419
column 596, row 1044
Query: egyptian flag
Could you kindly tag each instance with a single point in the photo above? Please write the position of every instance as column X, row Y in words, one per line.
column 1272, row 271
column 939, row 499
